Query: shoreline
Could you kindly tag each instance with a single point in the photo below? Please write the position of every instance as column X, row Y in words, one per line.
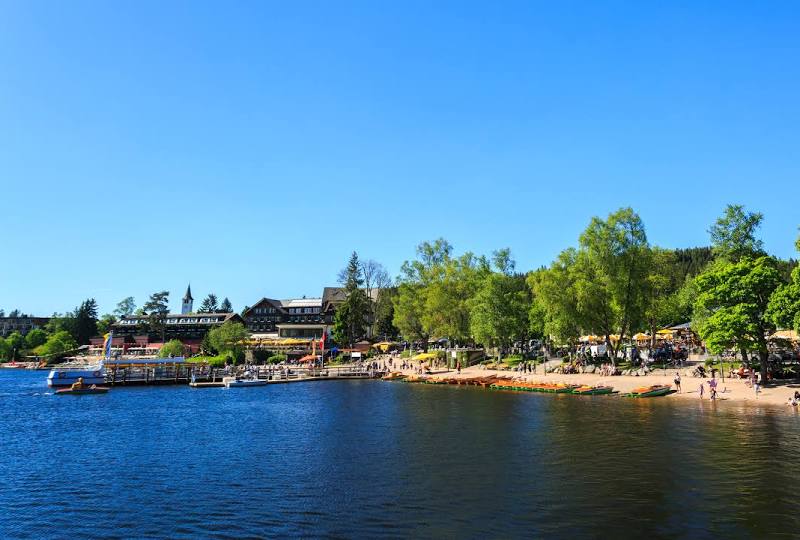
column 732, row 390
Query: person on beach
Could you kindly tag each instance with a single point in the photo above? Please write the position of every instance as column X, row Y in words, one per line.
column 712, row 387
column 702, row 389
column 458, row 366
column 677, row 381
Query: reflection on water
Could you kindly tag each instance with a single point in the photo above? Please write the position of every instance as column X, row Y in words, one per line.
column 372, row 458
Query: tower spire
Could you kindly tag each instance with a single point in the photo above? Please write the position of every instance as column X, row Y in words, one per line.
column 188, row 301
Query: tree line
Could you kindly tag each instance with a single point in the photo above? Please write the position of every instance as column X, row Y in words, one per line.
column 613, row 284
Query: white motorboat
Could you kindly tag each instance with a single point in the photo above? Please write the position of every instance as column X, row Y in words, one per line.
column 237, row 382
column 65, row 376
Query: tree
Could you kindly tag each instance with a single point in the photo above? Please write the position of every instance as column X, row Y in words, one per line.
column 384, row 313
column 172, row 348
column 5, row 350
column 349, row 323
column 2, row 313
column 14, row 314
column 663, row 306
column 126, row 307
column 229, row 339
column 733, row 235
column 554, row 301
column 15, row 343
column 105, row 323
column 226, row 306
column 376, row 279
column 85, row 317
column 158, row 309
column 57, row 345
column 35, row 338
column 209, row 305
column 732, row 305
column 499, row 310
column 784, row 305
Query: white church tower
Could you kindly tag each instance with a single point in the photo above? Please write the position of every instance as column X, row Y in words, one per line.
column 186, row 307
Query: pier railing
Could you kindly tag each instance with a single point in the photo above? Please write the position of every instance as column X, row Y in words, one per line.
column 185, row 374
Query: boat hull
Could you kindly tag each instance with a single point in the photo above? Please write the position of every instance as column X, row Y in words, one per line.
column 67, row 376
column 82, row 391
column 232, row 382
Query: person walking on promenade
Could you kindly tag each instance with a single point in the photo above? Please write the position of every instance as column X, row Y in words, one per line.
column 702, row 389
column 677, row 381
column 458, row 366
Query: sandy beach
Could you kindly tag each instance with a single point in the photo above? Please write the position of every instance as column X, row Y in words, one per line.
column 731, row 390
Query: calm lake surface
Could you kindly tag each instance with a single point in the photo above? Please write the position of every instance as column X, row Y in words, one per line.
column 380, row 459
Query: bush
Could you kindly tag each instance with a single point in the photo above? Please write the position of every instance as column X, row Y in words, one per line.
column 276, row 359
column 35, row 337
column 213, row 361
column 173, row 347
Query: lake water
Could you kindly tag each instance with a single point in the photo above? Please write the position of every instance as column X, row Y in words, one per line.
column 380, row 459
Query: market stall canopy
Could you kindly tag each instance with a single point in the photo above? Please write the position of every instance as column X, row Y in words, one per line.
column 641, row 337
column 664, row 332
column 425, row 356
column 789, row 335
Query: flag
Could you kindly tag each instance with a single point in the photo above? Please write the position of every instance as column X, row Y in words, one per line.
column 107, row 344
column 322, row 341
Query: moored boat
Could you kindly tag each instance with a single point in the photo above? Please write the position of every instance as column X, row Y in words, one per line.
column 236, row 382
column 593, row 390
column 651, row 391
column 66, row 376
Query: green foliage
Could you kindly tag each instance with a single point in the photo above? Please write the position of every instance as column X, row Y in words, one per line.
column 384, row 313
column 16, row 343
column 125, row 307
column 229, row 339
column 602, row 286
column 105, row 323
column 35, row 338
column 350, row 322
column 731, row 307
column 276, row 359
column 733, row 235
column 5, row 350
column 435, row 291
column 209, row 304
column 157, row 307
column 499, row 309
column 57, row 344
column 226, row 306
column 171, row 348
column 213, row 361
column 784, row 306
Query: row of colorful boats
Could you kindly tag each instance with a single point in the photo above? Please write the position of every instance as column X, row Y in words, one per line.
column 501, row 383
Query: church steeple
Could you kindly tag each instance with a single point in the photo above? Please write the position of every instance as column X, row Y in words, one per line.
column 186, row 307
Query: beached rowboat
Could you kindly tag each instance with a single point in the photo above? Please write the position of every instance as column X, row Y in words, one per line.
column 592, row 390
column 651, row 391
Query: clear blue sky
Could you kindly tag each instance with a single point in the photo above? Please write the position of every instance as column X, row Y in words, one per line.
column 249, row 147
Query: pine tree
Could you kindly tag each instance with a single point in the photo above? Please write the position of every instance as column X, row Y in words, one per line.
column 209, row 305
column 226, row 306
column 350, row 321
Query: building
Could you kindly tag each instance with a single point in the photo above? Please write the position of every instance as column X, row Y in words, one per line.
column 295, row 318
column 22, row 324
column 191, row 327
column 304, row 318
column 188, row 301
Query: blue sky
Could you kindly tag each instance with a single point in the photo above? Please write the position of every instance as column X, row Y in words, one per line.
column 249, row 147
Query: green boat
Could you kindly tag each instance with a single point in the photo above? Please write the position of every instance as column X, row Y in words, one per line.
column 593, row 390
column 651, row 391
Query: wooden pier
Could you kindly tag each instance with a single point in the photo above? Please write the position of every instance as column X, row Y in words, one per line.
column 202, row 377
